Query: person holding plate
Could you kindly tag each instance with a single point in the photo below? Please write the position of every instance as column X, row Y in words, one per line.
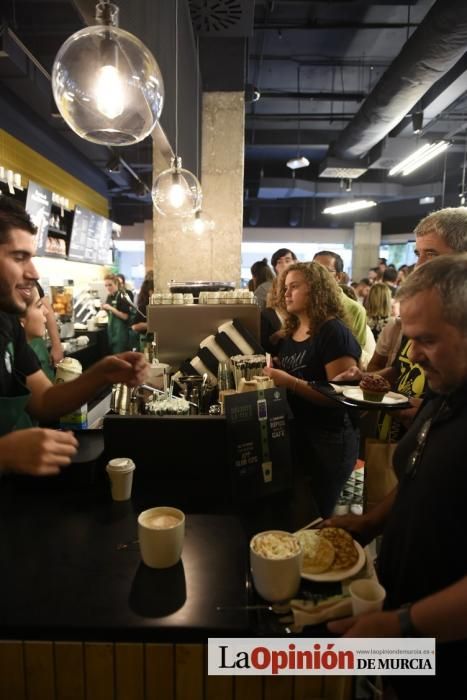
column 316, row 344
column 423, row 557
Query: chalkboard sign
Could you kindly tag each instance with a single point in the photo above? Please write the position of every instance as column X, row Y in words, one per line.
column 91, row 236
column 258, row 426
column 38, row 206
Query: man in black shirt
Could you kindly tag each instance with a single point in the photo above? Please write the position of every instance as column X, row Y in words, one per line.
column 423, row 558
column 26, row 394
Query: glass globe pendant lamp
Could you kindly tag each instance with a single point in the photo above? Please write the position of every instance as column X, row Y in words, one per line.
column 200, row 224
column 176, row 191
column 107, row 84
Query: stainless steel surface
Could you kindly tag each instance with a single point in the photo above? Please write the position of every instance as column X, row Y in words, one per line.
column 120, row 399
column 180, row 329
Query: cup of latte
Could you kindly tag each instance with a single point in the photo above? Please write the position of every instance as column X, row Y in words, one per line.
column 161, row 533
column 276, row 562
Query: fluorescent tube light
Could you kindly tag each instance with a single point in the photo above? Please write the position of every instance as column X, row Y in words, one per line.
column 350, row 206
column 298, row 162
column 438, row 148
column 419, row 157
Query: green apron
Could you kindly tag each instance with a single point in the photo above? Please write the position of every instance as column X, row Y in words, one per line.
column 117, row 330
column 40, row 348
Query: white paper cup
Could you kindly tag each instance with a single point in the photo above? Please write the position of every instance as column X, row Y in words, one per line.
column 161, row 532
column 367, row 596
column 276, row 578
column 67, row 369
column 120, row 473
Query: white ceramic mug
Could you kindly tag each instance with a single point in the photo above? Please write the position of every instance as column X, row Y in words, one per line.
column 276, row 575
column 367, row 595
column 161, row 532
column 120, row 471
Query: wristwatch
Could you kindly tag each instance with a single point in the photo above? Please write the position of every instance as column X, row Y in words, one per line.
column 407, row 626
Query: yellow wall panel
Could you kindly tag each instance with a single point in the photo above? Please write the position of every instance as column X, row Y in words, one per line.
column 15, row 155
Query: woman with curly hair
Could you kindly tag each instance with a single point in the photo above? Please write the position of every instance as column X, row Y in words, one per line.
column 316, row 345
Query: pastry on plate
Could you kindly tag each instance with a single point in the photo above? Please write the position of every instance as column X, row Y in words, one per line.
column 346, row 554
column 374, row 387
column 318, row 553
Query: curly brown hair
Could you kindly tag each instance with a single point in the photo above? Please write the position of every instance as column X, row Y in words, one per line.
column 325, row 300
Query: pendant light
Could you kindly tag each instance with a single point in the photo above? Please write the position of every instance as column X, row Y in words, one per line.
column 201, row 222
column 176, row 191
column 299, row 161
column 106, row 83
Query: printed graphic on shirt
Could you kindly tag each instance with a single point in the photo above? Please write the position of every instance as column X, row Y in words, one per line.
column 410, row 382
column 293, row 364
column 8, row 359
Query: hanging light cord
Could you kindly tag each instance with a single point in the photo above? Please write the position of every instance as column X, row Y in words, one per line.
column 299, row 109
column 176, row 78
column 197, row 106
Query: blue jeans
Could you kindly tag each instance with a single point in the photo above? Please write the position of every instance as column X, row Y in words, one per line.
column 329, row 460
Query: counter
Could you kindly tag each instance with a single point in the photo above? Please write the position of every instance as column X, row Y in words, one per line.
column 93, row 584
column 95, row 350
column 82, row 617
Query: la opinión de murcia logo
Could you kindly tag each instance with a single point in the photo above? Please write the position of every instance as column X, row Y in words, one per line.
column 333, row 657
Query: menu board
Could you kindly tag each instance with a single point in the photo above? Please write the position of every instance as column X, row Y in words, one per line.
column 258, row 426
column 91, row 236
column 38, row 206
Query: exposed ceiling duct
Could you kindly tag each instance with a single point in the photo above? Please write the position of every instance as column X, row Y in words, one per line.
column 437, row 44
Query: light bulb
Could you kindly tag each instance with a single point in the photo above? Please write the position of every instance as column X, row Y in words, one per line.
column 199, row 224
column 177, row 195
column 107, row 84
column 109, row 92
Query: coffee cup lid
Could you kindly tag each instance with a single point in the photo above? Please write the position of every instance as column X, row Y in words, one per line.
column 121, row 464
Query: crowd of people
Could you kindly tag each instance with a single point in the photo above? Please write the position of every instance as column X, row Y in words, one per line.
column 423, row 354
column 316, row 332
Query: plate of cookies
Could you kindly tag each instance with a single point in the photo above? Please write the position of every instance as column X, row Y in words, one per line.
column 330, row 554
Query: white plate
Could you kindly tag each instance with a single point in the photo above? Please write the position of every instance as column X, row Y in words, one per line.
column 356, row 394
column 341, row 574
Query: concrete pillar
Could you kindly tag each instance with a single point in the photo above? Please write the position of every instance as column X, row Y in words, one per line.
column 223, row 148
column 148, row 246
column 365, row 251
column 216, row 255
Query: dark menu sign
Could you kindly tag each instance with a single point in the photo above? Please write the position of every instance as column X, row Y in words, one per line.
column 258, row 423
column 38, row 206
column 91, row 236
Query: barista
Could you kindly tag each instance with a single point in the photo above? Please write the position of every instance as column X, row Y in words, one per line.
column 26, row 394
column 118, row 310
column 34, row 322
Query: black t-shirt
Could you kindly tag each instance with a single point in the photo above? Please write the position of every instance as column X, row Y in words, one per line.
column 17, row 359
column 307, row 359
column 424, row 546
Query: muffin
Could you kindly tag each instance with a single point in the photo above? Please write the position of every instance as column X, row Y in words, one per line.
column 374, row 387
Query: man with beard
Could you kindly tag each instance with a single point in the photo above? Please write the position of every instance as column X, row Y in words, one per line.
column 26, row 394
column 423, row 557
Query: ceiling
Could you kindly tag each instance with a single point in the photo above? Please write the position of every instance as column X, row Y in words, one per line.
column 338, row 82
